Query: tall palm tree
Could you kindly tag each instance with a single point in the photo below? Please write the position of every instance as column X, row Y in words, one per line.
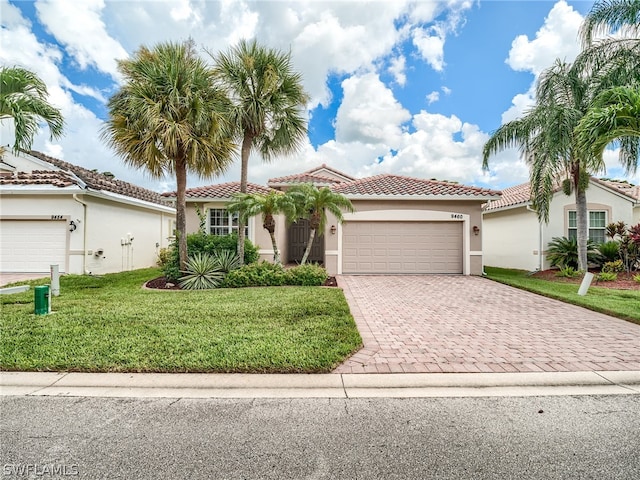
column 613, row 116
column 268, row 103
column 608, row 16
column 546, row 134
column 312, row 203
column 23, row 97
column 168, row 117
column 267, row 205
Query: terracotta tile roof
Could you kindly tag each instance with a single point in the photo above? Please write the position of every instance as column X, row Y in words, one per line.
column 521, row 194
column 101, row 182
column 397, row 185
column 511, row 196
column 304, row 178
column 221, row 190
column 56, row 178
column 628, row 189
column 312, row 176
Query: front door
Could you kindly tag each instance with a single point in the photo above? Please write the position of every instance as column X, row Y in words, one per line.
column 298, row 237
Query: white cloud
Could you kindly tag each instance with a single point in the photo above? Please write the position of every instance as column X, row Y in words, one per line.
column 557, row 38
column 397, row 70
column 79, row 27
column 446, row 90
column 430, row 44
column 433, row 97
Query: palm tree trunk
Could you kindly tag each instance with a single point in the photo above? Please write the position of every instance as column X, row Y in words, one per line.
column 582, row 233
column 181, row 210
column 307, row 251
column 276, row 253
column 244, row 168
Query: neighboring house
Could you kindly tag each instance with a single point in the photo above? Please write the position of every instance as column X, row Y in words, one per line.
column 401, row 225
column 53, row 212
column 514, row 238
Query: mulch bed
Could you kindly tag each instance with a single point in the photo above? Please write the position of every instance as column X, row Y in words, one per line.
column 625, row 280
column 161, row 283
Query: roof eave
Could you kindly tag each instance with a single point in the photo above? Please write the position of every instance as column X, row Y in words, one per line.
column 475, row 198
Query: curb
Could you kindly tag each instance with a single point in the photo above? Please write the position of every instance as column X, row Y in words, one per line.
column 204, row 385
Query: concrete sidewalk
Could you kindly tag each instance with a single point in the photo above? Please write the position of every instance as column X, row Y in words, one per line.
column 196, row 385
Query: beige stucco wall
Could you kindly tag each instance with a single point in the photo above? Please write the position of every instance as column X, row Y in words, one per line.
column 106, row 223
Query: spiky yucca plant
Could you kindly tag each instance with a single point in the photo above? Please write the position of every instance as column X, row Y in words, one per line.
column 203, row 272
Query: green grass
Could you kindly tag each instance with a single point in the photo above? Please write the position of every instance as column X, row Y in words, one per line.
column 110, row 324
column 623, row 304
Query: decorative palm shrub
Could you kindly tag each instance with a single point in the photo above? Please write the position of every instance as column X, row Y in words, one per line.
column 563, row 252
column 203, row 272
column 610, row 251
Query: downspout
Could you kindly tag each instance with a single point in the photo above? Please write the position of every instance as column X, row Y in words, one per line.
column 84, row 232
column 540, row 246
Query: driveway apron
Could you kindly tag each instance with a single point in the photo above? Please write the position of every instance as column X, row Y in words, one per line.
column 441, row 323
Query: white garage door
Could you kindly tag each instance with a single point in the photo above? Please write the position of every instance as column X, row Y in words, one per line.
column 402, row 247
column 32, row 245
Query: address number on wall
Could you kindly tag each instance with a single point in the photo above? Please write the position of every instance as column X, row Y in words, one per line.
column 56, row 217
column 456, row 216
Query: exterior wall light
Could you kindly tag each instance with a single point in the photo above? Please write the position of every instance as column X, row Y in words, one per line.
column 476, row 230
column 333, row 229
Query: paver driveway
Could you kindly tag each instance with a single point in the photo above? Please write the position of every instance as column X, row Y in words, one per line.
column 438, row 323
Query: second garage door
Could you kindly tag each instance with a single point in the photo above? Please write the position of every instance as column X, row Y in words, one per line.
column 402, row 247
column 29, row 246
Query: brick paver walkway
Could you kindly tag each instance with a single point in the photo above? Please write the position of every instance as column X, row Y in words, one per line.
column 438, row 323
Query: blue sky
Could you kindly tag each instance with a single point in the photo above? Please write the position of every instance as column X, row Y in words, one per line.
column 406, row 87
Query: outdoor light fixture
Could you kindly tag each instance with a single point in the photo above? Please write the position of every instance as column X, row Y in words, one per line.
column 72, row 226
column 333, row 229
column 476, row 230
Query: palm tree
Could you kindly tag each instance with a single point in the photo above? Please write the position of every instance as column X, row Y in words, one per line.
column 546, row 134
column 611, row 15
column 23, row 97
column 614, row 116
column 268, row 102
column 168, row 117
column 312, row 203
column 267, row 205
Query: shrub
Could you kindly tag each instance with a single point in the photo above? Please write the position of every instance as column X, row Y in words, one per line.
column 563, row 252
column 203, row 272
column 227, row 260
column 310, row 274
column 613, row 267
column 263, row 274
column 568, row 272
column 210, row 244
column 610, row 251
column 164, row 256
column 607, row 276
column 636, row 278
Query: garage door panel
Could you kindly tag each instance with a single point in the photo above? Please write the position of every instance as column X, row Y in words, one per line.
column 32, row 246
column 402, row 247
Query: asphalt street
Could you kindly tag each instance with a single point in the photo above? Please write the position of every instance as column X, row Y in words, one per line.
column 553, row 437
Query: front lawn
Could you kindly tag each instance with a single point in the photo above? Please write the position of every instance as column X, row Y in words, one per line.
column 623, row 304
column 110, row 324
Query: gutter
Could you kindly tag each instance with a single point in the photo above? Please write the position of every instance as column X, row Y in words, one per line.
column 84, row 232
column 540, row 246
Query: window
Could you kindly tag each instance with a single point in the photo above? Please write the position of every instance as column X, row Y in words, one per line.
column 222, row 222
column 596, row 224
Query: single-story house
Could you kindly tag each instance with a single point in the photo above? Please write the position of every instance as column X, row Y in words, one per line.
column 400, row 224
column 53, row 212
column 514, row 238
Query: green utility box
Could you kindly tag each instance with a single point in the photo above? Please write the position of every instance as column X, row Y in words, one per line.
column 42, row 300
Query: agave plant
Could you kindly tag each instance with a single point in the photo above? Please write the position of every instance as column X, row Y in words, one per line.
column 227, row 260
column 203, row 272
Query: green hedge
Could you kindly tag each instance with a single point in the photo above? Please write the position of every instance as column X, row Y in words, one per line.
column 265, row 274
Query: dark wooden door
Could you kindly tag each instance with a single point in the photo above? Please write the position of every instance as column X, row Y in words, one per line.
column 298, row 237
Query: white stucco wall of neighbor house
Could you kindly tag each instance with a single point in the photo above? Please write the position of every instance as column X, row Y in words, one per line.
column 103, row 223
column 511, row 239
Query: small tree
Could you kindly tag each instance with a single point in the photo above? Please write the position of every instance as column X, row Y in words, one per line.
column 312, row 203
column 270, row 204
